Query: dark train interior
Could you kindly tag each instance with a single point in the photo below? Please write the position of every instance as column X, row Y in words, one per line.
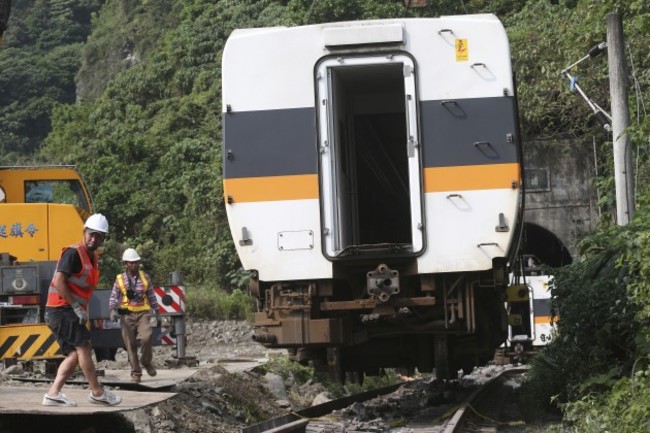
column 371, row 169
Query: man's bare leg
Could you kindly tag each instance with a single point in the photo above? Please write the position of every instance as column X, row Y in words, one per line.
column 66, row 368
column 87, row 365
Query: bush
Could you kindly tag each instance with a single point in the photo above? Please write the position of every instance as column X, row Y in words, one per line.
column 597, row 369
column 216, row 304
column 285, row 368
column 626, row 409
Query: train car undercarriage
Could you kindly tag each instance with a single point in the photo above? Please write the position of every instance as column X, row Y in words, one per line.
column 444, row 323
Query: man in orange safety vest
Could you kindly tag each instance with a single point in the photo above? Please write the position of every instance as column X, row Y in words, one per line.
column 66, row 314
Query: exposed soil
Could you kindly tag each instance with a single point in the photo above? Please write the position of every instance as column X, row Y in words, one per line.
column 213, row 400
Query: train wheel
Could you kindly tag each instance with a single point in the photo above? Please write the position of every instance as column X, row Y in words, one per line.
column 441, row 357
column 334, row 366
column 356, row 377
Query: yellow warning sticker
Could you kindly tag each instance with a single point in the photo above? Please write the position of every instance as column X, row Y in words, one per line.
column 462, row 51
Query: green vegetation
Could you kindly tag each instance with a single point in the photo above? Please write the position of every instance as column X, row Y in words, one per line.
column 39, row 58
column 211, row 303
column 285, row 368
column 301, row 374
column 145, row 129
column 130, row 92
column 387, row 378
column 597, row 368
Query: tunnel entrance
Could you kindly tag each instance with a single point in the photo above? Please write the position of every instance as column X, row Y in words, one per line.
column 543, row 244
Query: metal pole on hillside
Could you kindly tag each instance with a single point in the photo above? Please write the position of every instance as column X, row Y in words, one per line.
column 5, row 10
column 623, row 174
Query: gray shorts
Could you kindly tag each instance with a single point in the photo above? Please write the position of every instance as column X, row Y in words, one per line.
column 65, row 326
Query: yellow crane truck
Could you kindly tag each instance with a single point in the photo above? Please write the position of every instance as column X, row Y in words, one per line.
column 42, row 210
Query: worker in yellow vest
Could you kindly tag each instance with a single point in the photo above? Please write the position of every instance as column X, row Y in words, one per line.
column 132, row 301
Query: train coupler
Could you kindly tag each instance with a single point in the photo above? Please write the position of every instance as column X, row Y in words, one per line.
column 382, row 283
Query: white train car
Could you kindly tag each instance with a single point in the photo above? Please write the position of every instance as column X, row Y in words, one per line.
column 530, row 319
column 372, row 179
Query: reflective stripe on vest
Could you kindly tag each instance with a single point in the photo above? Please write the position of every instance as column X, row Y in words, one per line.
column 81, row 284
column 132, row 305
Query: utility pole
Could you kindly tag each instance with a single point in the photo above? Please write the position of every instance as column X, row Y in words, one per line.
column 623, row 175
column 5, row 10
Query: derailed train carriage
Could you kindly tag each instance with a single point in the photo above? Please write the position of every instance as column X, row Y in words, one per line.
column 373, row 186
column 531, row 321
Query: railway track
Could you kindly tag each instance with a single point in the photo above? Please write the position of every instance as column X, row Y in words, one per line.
column 298, row 421
column 484, row 410
column 415, row 407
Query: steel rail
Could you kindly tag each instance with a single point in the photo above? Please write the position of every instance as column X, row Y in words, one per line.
column 460, row 415
column 297, row 421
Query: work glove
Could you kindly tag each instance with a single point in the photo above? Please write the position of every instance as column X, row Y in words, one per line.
column 80, row 312
column 114, row 316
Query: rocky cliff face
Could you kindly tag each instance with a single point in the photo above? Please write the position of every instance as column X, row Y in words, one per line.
column 124, row 33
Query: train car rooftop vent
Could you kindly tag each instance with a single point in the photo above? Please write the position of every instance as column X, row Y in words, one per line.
column 363, row 35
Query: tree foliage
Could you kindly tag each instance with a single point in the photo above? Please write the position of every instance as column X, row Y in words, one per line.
column 151, row 145
column 38, row 61
column 598, row 367
column 130, row 92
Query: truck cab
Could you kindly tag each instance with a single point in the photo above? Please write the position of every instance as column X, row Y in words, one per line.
column 42, row 210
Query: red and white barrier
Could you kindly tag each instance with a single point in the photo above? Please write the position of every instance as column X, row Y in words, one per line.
column 171, row 299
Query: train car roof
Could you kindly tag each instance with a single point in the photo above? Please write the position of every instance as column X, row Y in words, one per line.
column 274, row 67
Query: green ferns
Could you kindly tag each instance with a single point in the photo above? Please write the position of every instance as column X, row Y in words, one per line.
column 598, row 368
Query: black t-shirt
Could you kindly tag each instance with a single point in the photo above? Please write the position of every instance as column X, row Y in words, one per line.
column 70, row 262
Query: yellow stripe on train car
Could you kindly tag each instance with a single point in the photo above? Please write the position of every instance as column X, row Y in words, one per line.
column 472, row 177
column 541, row 320
column 436, row 179
column 26, row 341
column 271, row 188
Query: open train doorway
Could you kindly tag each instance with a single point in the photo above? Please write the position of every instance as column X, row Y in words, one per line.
column 370, row 167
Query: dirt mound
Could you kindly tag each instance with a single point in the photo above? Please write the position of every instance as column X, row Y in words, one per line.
column 215, row 402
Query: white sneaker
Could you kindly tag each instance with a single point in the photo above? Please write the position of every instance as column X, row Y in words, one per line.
column 59, row 400
column 107, row 398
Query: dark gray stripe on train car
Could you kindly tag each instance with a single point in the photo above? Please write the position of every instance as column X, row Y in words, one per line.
column 542, row 307
column 270, row 143
column 454, row 133
column 451, row 128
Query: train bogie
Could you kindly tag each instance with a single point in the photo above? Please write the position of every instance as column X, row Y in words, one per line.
column 372, row 176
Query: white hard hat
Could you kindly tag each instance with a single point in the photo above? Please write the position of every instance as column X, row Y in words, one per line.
column 97, row 223
column 130, row 255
